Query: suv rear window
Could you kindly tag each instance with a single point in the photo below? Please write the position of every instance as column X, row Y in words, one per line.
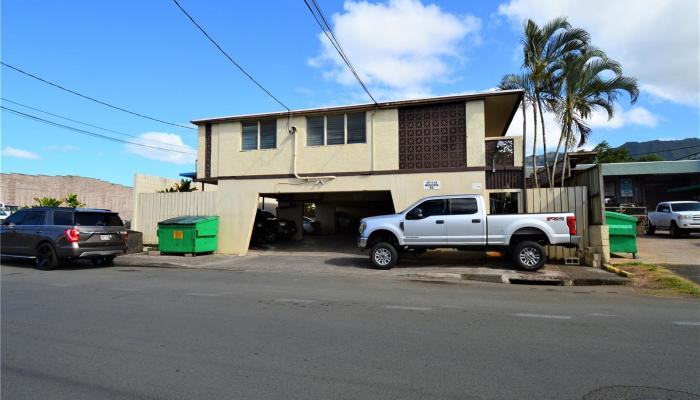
column 63, row 218
column 97, row 219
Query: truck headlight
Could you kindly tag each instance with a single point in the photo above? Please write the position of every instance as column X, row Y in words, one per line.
column 685, row 217
column 363, row 226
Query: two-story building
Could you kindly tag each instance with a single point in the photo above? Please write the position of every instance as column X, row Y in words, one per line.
column 360, row 160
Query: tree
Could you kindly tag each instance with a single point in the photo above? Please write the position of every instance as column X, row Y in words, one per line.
column 71, row 200
column 185, row 185
column 521, row 81
column 543, row 47
column 608, row 154
column 589, row 80
column 47, row 202
column 650, row 157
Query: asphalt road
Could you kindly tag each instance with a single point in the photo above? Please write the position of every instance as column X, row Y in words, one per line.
column 147, row 333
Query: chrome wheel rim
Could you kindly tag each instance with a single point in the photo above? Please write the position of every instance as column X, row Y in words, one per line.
column 382, row 256
column 529, row 256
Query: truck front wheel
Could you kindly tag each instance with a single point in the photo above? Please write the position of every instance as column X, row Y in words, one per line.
column 529, row 256
column 383, row 255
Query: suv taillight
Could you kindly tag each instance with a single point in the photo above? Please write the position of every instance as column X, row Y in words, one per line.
column 571, row 223
column 72, row 235
column 124, row 234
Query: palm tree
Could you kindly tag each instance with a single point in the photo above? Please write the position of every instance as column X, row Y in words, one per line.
column 71, row 200
column 47, row 202
column 521, row 81
column 543, row 47
column 185, row 185
column 589, row 81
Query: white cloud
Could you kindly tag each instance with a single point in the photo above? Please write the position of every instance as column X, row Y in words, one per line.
column 19, row 153
column 399, row 48
column 656, row 41
column 169, row 141
column 634, row 116
column 61, row 147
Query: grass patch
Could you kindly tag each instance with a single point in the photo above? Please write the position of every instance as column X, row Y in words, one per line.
column 659, row 280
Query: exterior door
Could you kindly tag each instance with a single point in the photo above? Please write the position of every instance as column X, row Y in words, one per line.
column 465, row 224
column 425, row 223
column 8, row 232
column 28, row 233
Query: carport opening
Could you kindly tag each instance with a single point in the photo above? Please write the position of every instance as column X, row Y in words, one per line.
column 323, row 222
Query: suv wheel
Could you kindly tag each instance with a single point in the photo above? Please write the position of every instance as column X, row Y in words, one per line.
column 529, row 256
column 383, row 255
column 46, row 258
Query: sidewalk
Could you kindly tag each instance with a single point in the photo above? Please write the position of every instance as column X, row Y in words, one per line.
column 437, row 266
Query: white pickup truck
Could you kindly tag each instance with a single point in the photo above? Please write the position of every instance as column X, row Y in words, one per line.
column 678, row 217
column 460, row 222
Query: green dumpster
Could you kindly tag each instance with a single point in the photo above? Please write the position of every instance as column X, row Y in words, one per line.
column 188, row 234
column 623, row 233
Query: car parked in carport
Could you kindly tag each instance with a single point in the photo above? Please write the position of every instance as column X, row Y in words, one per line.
column 52, row 235
column 270, row 229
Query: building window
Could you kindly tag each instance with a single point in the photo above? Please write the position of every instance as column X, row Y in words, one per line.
column 259, row 135
column 503, row 203
column 336, row 129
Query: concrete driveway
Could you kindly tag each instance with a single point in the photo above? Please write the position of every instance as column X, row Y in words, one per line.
column 681, row 255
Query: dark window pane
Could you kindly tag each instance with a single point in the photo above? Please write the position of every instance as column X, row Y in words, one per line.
column 335, row 127
column 357, row 128
column 18, row 217
column 432, row 207
column 268, row 134
column 97, row 219
column 463, row 206
column 503, row 203
column 250, row 135
column 35, row 218
column 314, row 131
column 62, row 218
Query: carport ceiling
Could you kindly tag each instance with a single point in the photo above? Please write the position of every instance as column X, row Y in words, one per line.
column 332, row 197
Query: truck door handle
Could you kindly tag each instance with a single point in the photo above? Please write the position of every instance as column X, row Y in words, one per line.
column 476, row 221
column 439, row 221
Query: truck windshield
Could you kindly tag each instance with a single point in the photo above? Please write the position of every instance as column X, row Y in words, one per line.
column 686, row 206
column 97, row 219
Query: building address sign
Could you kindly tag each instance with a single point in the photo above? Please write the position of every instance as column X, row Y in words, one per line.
column 431, row 184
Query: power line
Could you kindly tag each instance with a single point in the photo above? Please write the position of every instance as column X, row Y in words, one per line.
column 326, row 28
column 89, row 133
column 228, row 56
column 92, row 98
column 663, row 151
column 688, row 155
column 91, row 125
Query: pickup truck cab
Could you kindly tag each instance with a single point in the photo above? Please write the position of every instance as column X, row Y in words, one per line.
column 678, row 217
column 460, row 222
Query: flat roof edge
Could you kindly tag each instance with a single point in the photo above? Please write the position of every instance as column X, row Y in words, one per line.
column 364, row 106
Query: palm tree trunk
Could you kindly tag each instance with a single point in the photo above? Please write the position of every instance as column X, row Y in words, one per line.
column 556, row 154
column 544, row 141
column 566, row 155
column 534, row 144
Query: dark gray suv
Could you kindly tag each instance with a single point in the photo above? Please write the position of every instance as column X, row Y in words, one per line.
column 51, row 235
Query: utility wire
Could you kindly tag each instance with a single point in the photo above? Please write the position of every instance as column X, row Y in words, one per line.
column 89, row 133
column 326, row 28
column 93, row 99
column 666, row 150
column 688, row 155
column 228, row 56
column 91, row 125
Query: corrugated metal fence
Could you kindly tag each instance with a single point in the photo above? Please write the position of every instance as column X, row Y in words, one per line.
column 568, row 199
column 155, row 207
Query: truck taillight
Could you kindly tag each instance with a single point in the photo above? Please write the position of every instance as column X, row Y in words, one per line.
column 571, row 223
column 72, row 235
column 124, row 234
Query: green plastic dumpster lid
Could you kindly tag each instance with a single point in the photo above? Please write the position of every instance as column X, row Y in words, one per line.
column 187, row 220
column 619, row 217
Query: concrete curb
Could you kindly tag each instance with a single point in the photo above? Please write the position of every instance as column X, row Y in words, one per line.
column 616, row 271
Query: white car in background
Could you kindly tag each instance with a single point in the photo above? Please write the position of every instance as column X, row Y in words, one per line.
column 3, row 214
column 678, row 217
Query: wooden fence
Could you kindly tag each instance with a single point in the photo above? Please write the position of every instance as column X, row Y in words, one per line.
column 155, row 207
column 568, row 199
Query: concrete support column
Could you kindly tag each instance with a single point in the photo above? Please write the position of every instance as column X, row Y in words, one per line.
column 237, row 210
column 325, row 214
column 476, row 132
column 600, row 241
column 293, row 212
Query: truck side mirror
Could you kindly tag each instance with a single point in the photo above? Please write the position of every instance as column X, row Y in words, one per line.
column 416, row 213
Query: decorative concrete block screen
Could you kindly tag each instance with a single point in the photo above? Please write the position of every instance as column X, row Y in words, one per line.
column 432, row 136
column 568, row 199
column 155, row 207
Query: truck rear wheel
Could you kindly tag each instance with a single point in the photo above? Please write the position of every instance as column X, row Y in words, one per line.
column 383, row 255
column 529, row 256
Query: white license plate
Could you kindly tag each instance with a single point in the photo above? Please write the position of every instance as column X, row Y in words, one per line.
column 105, row 237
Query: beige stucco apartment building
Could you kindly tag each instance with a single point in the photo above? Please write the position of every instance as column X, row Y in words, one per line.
column 360, row 160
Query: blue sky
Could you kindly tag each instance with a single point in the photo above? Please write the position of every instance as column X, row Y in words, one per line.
column 145, row 56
